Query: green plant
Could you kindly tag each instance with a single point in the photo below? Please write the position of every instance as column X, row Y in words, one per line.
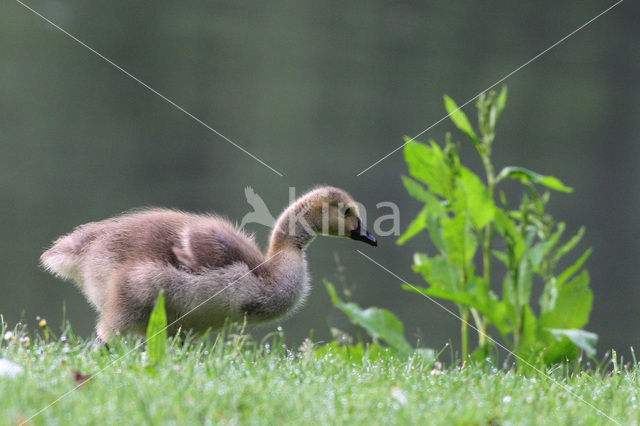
column 379, row 323
column 157, row 336
column 464, row 216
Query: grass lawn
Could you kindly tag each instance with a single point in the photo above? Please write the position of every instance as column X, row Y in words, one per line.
column 236, row 381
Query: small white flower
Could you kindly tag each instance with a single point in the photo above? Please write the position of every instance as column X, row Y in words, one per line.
column 9, row 335
column 25, row 341
column 506, row 399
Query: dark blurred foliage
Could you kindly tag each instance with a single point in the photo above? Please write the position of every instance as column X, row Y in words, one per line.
column 319, row 91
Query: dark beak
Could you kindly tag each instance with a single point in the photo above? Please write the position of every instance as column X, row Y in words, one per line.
column 361, row 234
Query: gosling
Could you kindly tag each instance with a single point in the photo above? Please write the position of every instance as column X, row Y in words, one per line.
column 209, row 270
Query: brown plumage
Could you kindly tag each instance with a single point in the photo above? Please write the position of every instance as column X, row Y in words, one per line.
column 209, row 270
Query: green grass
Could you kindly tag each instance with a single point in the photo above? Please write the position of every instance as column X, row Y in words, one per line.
column 235, row 380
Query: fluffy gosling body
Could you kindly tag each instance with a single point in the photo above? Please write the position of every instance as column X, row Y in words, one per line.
column 209, row 270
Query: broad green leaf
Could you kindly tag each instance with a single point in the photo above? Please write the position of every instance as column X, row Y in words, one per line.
column 529, row 327
column 585, row 340
column 428, row 165
column 157, row 332
column 435, row 207
column 501, row 101
column 569, row 245
column 555, row 349
column 436, row 233
column 473, row 196
column 416, row 190
column 420, row 193
column 571, row 270
column 509, row 294
column 540, row 250
column 525, row 281
column 441, row 293
column 501, row 256
column 509, row 231
column 496, row 311
column 528, row 176
column 460, row 240
column 518, row 283
column 438, row 271
column 478, row 286
column 415, row 227
column 549, row 296
column 459, row 118
column 572, row 305
column 379, row 323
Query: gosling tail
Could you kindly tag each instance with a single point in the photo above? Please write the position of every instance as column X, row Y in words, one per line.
column 64, row 258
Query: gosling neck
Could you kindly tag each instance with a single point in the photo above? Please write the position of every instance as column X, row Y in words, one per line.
column 295, row 228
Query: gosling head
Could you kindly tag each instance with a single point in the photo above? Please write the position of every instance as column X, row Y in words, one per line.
column 332, row 211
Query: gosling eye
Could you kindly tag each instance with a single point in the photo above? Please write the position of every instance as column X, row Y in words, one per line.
column 346, row 211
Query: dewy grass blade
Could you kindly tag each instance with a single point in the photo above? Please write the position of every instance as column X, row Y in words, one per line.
column 157, row 334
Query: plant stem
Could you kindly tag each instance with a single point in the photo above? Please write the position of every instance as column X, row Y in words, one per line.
column 464, row 332
column 488, row 238
column 481, row 326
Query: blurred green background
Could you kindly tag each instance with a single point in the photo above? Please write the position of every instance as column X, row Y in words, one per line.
column 319, row 91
